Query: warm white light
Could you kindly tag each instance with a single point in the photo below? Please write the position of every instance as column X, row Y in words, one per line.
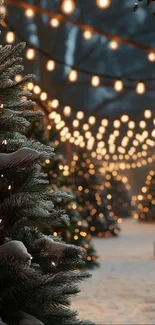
column 76, row 123
column 80, row 115
column 142, row 124
column 73, row 75
column 87, row 34
column 147, row 113
column 117, row 123
column 153, row 133
column 54, row 22
column 131, row 125
column 103, row 4
column 30, row 54
column 67, row 111
column 92, row 120
column 54, row 103
column 18, row 77
column 104, row 122
column 95, row 81
column 85, row 127
column 151, row 56
column 68, row 6
column 37, row 90
column 10, row 37
column 124, row 118
column 140, row 88
column 118, row 85
column 29, row 13
column 2, row 10
column 57, row 118
column 43, row 96
column 30, row 86
column 113, row 45
column 50, row 66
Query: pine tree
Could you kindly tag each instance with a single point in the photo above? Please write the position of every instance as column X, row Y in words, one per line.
column 56, row 171
column 146, row 200
column 37, row 273
column 92, row 203
column 118, row 195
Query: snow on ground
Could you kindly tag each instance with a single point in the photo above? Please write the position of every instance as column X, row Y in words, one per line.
column 122, row 290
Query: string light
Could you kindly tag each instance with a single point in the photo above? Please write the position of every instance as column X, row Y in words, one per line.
column 151, row 56
column 50, row 65
column 54, row 22
column 124, row 118
column 118, row 85
column 18, row 77
column 10, row 37
column 131, row 125
column 85, row 127
column 104, row 122
column 29, row 13
column 117, row 123
column 43, row 96
column 30, row 54
column 147, row 113
column 142, row 124
column 76, row 123
column 54, row 103
column 73, row 75
column 80, row 115
column 95, row 81
column 92, row 120
column 113, row 45
column 67, row 111
column 103, row 4
column 87, row 34
column 68, row 6
column 140, row 88
column 37, row 90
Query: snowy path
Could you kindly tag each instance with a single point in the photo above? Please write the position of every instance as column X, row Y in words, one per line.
column 122, row 290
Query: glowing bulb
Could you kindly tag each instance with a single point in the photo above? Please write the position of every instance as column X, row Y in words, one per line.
column 118, row 85
column 124, row 118
column 29, row 13
column 131, row 125
column 92, row 120
column 30, row 86
column 54, row 22
column 103, row 4
column 95, row 81
column 76, row 123
column 85, row 127
column 104, row 122
column 10, row 37
column 80, row 115
column 153, row 133
column 30, row 54
column 87, row 34
column 37, row 90
column 140, row 88
column 54, row 103
column 117, row 123
column 151, row 56
column 50, row 66
column 147, row 113
column 68, row 6
column 18, row 77
column 43, row 96
column 142, row 124
column 113, row 45
column 73, row 75
column 67, row 111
